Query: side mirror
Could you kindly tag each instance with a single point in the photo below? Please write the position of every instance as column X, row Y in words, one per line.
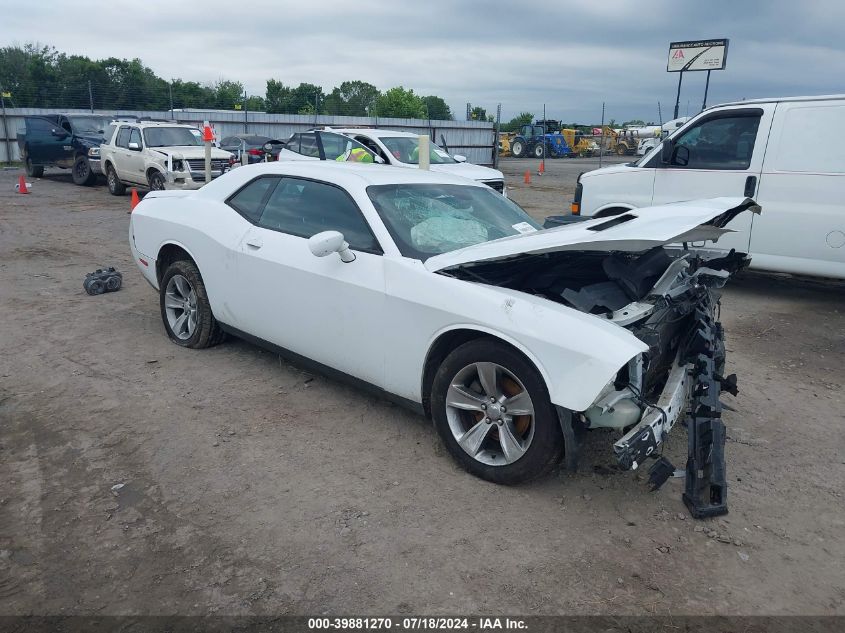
column 681, row 156
column 378, row 159
column 60, row 134
column 667, row 151
column 135, row 147
column 328, row 242
column 460, row 158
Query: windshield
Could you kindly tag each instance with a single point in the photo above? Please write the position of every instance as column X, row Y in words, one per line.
column 172, row 136
column 89, row 124
column 429, row 219
column 406, row 149
column 342, row 148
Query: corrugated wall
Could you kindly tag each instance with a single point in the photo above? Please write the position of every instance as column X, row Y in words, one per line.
column 474, row 139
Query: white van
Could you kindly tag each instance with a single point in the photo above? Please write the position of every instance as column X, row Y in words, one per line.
column 785, row 153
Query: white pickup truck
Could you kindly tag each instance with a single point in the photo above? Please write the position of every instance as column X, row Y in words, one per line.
column 158, row 155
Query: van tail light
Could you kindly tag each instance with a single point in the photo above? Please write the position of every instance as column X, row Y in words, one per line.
column 255, row 152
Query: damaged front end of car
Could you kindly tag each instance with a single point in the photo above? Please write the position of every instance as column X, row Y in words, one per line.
column 668, row 296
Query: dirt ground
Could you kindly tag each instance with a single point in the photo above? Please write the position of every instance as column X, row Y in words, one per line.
column 142, row 478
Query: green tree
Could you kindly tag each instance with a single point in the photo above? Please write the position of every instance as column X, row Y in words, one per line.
column 401, row 104
column 437, row 108
column 478, row 114
column 634, row 123
column 228, row 94
column 278, row 97
column 351, row 98
column 523, row 118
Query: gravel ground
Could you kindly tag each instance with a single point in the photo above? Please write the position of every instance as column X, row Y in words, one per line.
column 142, row 478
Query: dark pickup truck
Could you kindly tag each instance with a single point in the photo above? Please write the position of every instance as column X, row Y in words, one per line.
column 69, row 141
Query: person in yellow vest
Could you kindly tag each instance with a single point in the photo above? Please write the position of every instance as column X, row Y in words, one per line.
column 355, row 155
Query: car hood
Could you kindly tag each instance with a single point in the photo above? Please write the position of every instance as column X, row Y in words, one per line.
column 468, row 170
column 612, row 169
column 635, row 231
column 189, row 152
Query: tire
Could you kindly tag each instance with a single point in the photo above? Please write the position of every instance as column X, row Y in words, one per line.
column 116, row 188
column 82, row 173
column 538, row 437
column 31, row 170
column 180, row 280
column 538, row 151
column 156, row 180
column 518, row 149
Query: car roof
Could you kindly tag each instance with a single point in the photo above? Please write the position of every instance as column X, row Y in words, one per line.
column 374, row 132
column 345, row 174
column 157, row 124
column 779, row 99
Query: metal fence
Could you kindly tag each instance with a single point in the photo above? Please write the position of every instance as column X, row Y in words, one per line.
column 476, row 140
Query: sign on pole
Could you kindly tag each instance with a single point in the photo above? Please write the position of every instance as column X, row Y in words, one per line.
column 698, row 55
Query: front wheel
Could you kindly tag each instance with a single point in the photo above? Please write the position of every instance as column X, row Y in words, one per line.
column 156, row 180
column 185, row 309
column 538, row 151
column 492, row 410
column 82, row 172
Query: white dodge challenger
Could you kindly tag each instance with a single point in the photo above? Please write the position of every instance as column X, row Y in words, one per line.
column 441, row 294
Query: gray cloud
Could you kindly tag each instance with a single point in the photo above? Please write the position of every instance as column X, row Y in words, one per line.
column 569, row 55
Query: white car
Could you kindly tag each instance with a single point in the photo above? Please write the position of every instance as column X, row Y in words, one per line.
column 400, row 149
column 158, row 155
column 444, row 295
column 756, row 148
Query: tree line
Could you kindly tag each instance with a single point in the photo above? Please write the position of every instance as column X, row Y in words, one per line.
column 38, row 76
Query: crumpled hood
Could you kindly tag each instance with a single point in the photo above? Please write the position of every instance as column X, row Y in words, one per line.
column 635, row 231
column 190, row 152
column 468, row 170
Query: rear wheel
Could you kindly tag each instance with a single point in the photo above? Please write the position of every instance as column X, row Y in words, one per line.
column 116, row 188
column 492, row 410
column 82, row 172
column 518, row 149
column 31, row 170
column 185, row 309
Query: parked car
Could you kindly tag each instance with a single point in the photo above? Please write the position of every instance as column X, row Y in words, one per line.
column 252, row 145
column 401, row 149
column 67, row 141
column 158, row 155
column 763, row 148
column 447, row 297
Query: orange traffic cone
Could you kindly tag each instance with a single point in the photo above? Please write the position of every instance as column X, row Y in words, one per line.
column 22, row 185
column 542, row 169
column 135, row 200
column 527, row 177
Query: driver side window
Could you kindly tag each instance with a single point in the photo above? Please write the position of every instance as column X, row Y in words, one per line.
column 726, row 142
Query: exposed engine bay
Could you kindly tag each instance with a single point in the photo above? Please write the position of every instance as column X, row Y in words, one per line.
column 668, row 297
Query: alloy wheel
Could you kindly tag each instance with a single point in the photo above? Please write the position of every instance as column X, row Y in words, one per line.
column 180, row 305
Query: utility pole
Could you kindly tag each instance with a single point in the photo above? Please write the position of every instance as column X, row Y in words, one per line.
column 90, row 96
column 496, row 136
column 170, row 89
column 706, row 88
column 5, row 127
column 601, row 147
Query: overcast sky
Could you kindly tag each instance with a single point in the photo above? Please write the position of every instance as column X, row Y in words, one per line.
column 570, row 55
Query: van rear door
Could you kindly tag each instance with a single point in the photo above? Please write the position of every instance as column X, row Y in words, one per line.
column 720, row 154
column 802, row 191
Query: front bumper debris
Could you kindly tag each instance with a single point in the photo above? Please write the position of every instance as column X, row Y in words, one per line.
column 691, row 394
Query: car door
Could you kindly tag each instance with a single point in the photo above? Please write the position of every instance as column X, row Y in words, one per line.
column 122, row 154
column 43, row 145
column 318, row 307
column 135, row 157
column 721, row 154
column 802, row 187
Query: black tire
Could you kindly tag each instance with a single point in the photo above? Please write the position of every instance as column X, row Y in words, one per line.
column 156, row 180
column 518, row 149
column 116, row 188
column 207, row 332
column 31, row 170
column 538, row 150
column 82, row 173
column 546, row 447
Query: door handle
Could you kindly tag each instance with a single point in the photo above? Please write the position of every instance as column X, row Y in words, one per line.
column 255, row 242
column 750, row 186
